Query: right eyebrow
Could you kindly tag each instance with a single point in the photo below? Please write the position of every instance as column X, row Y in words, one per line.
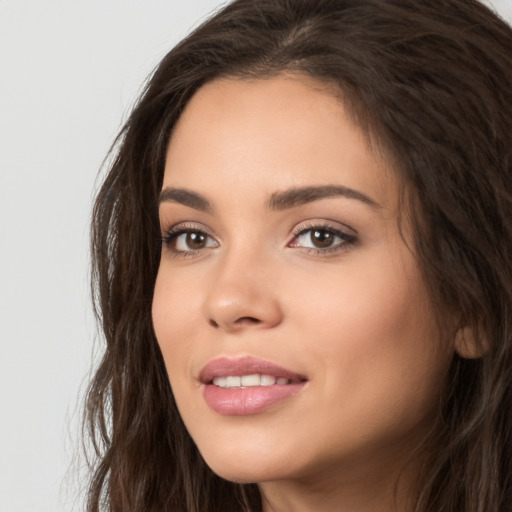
column 185, row 197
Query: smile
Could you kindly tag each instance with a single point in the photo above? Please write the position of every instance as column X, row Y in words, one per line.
column 244, row 386
column 248, row 381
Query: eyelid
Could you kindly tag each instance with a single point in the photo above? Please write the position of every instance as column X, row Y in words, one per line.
column 344, row 232
column 347, row 235
column 170, row 234
column 328, row 225
column 170, row 228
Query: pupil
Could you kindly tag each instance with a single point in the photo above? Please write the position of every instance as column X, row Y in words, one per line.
column 322, row 238
column 196, row 240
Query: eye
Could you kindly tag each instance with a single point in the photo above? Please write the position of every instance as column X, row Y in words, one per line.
column 187, row 240
column 322, row 239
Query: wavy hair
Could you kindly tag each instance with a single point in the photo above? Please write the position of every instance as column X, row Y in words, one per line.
column 431, row 81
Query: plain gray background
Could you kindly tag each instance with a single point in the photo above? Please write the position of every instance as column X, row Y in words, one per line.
column 69, row 72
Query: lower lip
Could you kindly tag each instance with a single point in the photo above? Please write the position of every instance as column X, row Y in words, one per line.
column 250, row 400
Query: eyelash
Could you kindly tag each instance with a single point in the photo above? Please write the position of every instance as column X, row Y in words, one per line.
column 347, row 239
column 175, row 232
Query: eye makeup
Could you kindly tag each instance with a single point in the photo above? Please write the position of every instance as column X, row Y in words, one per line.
column 321, row 238
column 313, row 237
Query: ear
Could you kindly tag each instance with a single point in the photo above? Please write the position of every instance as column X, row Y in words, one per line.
column 468, row 345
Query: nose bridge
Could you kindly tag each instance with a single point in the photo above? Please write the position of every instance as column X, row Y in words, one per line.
column 240, row 292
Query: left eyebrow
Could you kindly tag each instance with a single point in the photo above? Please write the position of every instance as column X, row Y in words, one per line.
column 300, row 196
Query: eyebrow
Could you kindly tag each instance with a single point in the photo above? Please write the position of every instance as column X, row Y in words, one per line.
column 284, row 200
column 185, row 197
column 300, row 196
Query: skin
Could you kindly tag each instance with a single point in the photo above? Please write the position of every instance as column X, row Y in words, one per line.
column 354, row 317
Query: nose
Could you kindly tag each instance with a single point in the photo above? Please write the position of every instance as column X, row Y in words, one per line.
column 242, row 296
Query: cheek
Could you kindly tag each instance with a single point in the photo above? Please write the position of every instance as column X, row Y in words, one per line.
column 372, row 333
column 174, row 312
column 366, row 302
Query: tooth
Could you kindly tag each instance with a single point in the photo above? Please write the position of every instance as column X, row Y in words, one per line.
column 220, row 381
column 267, row 380
column 233, row 382
column 250, row 380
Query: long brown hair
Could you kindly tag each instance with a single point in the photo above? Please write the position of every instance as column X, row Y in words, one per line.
column 431, row 80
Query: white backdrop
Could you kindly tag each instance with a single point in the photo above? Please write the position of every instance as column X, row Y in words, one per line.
column 69, row 72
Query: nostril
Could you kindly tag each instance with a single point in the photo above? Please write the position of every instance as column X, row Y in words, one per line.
column 247, row 320
column 236, row 323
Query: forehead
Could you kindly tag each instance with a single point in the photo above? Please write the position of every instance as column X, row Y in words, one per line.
column 274, row 133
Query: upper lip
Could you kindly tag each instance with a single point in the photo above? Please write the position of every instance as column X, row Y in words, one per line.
column 225, row 366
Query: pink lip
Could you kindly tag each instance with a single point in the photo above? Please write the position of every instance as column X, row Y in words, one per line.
column 250, row 400
column 223, row 366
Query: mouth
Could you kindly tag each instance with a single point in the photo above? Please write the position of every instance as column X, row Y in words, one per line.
column 247, row 372
column 249, row 381
column 247, row 385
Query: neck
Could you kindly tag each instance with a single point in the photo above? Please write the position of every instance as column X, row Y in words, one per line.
column 348, row 489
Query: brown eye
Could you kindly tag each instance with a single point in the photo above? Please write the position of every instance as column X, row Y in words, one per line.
column 189, row 240
column 195, row 240
column 321, row 238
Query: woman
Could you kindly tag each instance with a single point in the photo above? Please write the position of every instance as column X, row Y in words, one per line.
column 303, row 268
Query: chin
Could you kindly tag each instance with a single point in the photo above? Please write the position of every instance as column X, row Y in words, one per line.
column 244, row 467
column 235, row 471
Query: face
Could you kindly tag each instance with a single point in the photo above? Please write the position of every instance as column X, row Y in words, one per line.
column 292, row 316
